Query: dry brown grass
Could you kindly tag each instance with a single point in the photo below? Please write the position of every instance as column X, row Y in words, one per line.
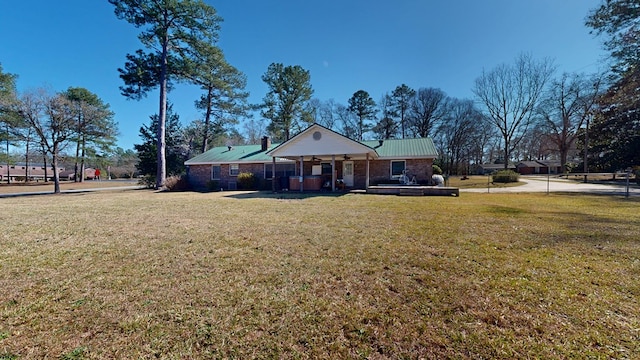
column 20, row 187
column 140, row 274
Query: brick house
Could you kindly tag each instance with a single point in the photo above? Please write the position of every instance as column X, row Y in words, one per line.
column 22, row 171
column 539, row 167
column 316, row 159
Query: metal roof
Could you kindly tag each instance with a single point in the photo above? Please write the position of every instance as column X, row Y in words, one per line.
column 233, row 154
column 387, row 149
column 404, row 148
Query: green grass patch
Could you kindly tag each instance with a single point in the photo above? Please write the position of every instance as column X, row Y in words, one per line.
column 140, row 274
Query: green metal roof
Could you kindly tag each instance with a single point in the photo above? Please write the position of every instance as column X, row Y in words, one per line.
column 240, row 153
column 404, row 148
column 391, row 149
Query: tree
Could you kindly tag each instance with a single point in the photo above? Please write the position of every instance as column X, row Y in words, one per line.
column 96, row 128
column 53, row 118
column 620, row 21
column 457, row 134
column 348, row 121
column 223, row 98
column 175, row 31
column 123, row 163
column 615, row 133
column 401, row 100
column 176, row 152
column 286, row 102
column 566, row 107
column 8, row 118
column 509, row 94
column 364, row 108
column 387, row 127
column 428, row 109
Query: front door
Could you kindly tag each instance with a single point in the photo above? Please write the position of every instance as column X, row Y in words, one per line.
column 347, row 173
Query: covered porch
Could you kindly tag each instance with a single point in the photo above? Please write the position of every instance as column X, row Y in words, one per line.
column 324, row 160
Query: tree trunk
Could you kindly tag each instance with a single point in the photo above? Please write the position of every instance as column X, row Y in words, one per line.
column 44, row 158
column 161, row 171
column 207, row 120
column 82, row 158
column 56, row 174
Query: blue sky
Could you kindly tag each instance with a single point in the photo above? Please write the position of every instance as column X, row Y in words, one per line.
column 347, row 45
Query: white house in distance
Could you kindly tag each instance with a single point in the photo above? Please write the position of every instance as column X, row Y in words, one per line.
column 316, row 159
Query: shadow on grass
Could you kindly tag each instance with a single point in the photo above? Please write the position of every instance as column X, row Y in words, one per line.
column 287, row 195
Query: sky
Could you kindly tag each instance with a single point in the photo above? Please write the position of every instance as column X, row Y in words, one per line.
column 347, row 45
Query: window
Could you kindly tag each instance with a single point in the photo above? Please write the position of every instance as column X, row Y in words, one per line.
column 282, row 170
column 326, row 168
column 234, row 169
column 215, row 172
column 397, row 167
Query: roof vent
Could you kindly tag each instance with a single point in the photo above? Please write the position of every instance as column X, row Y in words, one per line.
column 230, row 147
column 381, row 142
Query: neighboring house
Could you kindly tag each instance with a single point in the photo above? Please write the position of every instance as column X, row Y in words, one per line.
column 539, row 167
column 317, row 158
column 89, row 174
column 486, row 169
column 18, row 172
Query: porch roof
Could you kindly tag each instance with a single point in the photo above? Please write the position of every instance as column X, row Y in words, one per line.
column 317, row 142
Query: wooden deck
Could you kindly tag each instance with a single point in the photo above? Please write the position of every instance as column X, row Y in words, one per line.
column 413, row 190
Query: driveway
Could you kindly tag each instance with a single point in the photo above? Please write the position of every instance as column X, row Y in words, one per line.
column 542, row 184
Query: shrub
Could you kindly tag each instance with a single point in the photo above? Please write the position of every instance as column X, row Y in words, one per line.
column 247, row 181
column 148, row 181
column 437, row 170
column 505, row 176
column 213, row 185
column 177, row 183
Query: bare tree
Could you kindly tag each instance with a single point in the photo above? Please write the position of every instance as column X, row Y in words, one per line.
column 510, row 94
column 326, row 114
column 53, row 118
column 566, row 107
column 456, row 135
column 428, row 108
column 348, row 121
column 254, row 130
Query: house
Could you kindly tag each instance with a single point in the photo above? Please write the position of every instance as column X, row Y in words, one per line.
column 20, row 171
column 539, row 167
column 317, row 158
column 487, row 168
column 89, row 174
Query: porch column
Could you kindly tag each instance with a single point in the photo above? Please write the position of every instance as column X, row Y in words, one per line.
column 333, row 173
column 301, row 178
column 367, row 181
column 273, row 174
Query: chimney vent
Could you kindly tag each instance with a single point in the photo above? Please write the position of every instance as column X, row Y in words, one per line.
column 266, row 143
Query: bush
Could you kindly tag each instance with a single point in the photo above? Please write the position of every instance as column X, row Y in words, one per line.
column 177, row 183
column 148, row 181
column 437, row 170
column 213, row 185
column 505, row 176
column 247, row 181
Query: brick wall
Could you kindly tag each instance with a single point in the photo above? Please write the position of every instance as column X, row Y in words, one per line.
column 379, row 172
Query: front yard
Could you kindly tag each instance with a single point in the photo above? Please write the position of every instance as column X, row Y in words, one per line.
column 140, row 274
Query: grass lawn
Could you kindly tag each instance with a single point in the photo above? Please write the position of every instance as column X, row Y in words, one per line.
column 19, row 187
column 141, row 274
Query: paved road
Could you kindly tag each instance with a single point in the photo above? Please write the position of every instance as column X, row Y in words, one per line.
column 541, row 184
